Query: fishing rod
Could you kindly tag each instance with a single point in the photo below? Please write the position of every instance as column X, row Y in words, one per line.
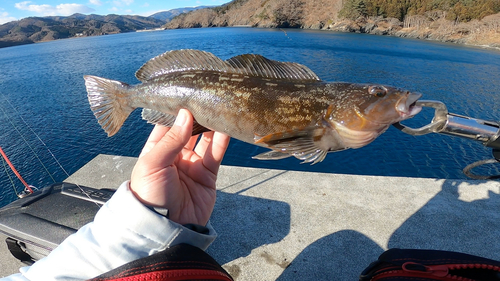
column 28, row 188
column 483, row 131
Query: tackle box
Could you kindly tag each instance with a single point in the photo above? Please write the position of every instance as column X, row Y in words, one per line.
column 38, row 223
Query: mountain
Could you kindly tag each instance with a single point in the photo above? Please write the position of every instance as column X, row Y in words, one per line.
column 39, row 29
column 269, row 13
column 170, row 14
column 460, row 21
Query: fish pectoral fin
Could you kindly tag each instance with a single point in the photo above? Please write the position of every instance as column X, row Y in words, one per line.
column 302, row 144
column 281, row 137
column 167, row 120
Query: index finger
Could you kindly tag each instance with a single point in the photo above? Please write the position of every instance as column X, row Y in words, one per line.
column 211, row 148
column 154, row 137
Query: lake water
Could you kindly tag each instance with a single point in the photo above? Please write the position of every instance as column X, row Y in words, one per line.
column 42, row 84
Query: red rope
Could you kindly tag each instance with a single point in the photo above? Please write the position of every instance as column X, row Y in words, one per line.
column 15, row 171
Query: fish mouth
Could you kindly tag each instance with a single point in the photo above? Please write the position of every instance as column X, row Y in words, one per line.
column 408, row 107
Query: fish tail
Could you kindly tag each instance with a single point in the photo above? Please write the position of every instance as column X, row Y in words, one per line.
column 109, row 101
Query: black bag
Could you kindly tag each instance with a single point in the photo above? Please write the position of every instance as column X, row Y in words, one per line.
column 37, row 224
column 419, row 265
column 180, row 262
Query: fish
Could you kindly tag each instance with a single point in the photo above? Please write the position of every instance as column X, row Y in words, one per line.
column 283, row 106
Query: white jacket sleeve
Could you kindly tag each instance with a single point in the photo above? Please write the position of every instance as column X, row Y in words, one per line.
column 122, row 231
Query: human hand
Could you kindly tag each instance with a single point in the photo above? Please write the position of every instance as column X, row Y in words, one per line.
column 172, row 173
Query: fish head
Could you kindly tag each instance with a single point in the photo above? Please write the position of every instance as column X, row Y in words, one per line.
column 372, row 107
column 388, row 105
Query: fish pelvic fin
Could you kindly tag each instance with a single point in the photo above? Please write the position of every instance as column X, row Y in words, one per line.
column 109, row 102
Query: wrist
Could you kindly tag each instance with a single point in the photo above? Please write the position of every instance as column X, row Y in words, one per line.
column 197, row 228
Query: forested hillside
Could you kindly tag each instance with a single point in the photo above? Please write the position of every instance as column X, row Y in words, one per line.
column 474, row 22
column 456, row 10
column 263, row 13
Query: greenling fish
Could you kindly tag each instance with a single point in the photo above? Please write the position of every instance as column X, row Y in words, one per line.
column 279, row 105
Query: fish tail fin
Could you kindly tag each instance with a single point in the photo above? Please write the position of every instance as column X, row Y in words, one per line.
column 108, row 100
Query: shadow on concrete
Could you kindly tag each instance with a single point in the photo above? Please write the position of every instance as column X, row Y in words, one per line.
column 338, row 256
column 443, row 223
column 237, row 235
column 448, row 223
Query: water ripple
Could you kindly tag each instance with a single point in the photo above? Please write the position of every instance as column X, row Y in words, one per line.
column 45, row 86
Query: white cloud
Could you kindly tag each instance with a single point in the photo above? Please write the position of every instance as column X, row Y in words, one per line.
column 120, row 3
column 114, row 9
column 96, row 2
column 48, row 10
column 69, row 9
column 5, row 18
column 25, row 6
column 150, row 12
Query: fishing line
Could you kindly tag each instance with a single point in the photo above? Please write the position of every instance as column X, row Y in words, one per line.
column 27, row 143
column 38, row 137
column 48, row 149
column 285, row 34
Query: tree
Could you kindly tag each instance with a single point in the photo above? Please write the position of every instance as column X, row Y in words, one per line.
column 353, row 9
column 289, row 13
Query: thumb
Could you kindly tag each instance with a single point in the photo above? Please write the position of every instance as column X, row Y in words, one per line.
column 170, row 145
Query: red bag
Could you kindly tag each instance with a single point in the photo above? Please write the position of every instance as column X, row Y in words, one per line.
column 420, row 265
column 180, row 262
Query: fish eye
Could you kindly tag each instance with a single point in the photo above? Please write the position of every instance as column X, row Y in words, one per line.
column 377, row 91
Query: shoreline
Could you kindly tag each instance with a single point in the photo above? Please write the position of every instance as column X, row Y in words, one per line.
column 372, row 28
column 482, row 33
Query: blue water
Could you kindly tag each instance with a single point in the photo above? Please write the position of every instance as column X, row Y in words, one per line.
column 42, row 84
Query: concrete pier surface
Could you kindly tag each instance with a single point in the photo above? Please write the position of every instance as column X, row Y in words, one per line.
column 288, row 225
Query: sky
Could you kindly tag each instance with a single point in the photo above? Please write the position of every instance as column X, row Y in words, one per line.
column 11, row 10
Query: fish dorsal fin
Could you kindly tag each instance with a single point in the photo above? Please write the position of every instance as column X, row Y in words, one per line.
column 178, row 61
column 257, row 65
column 249, row 64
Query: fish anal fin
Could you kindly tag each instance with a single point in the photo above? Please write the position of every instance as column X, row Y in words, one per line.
column 157, row 117
column 167, row 120
column 271, row 155
column 199, row 129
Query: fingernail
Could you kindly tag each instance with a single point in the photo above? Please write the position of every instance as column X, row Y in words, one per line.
column 181, row 118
